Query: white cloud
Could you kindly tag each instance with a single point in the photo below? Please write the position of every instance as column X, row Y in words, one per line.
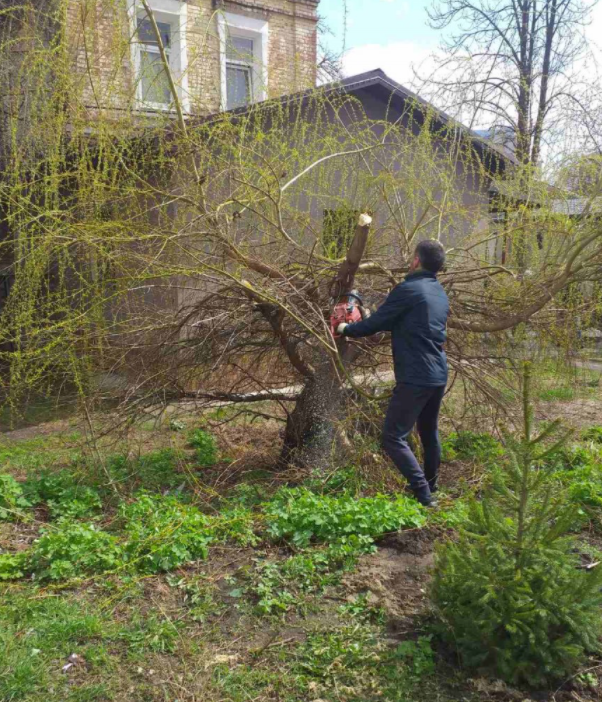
column 400, row 60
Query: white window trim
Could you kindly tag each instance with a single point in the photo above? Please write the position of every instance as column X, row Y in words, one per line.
column 241, row 26
column 175, row 12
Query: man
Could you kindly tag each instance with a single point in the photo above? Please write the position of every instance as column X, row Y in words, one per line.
column 415, row 313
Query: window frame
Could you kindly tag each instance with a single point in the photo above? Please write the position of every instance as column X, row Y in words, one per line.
column 231, row 25
column 174, row 13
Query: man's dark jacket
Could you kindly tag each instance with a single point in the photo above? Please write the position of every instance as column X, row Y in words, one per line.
column 415, row 313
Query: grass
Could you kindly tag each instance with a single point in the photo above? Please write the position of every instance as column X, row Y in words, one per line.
column 167, row 589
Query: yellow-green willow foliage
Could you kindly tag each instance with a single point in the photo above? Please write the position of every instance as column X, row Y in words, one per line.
column 195, row 252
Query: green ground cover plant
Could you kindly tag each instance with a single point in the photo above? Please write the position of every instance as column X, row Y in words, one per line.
column 158, row 546
column 63, row 494
column 153, row 471
column 205, row 446
column 13, row 503
column 592, row 435
column 37, row 634
column 470, row 445
column 279, row 586
column 72, row 549
column 302, row 516
column 162, row 533
column 557, row 394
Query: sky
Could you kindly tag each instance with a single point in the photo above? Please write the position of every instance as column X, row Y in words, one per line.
column 393, row 35
column 390, row 34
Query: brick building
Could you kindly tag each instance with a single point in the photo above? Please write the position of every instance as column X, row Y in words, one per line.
column 222, row 53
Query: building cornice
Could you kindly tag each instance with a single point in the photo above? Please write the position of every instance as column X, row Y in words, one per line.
column 304, row 8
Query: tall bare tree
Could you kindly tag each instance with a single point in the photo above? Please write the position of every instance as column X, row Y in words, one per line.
column 518, row 65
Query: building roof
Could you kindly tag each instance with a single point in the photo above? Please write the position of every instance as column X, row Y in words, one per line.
column 378, row 84
column 378, row 81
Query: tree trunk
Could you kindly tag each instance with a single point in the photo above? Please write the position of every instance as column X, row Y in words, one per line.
column 310, row 436
column 315, row 435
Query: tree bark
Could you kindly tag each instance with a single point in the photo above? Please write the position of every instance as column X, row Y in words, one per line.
column 310, row 435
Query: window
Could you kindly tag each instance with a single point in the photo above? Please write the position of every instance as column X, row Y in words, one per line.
column 244, row 43
column 338, row 230
column 152, row 82
column 239, row 71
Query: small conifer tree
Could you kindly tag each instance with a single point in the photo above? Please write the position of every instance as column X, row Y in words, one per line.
column 509, row 591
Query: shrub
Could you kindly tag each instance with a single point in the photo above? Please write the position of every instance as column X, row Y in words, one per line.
column 302, row 516
column 73, row 549
column 206, row 447
column 163, row 533
column 508, row 592
column 12, row 500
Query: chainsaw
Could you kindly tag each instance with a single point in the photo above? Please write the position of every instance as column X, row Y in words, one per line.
column 348, row 306
column 349, row 309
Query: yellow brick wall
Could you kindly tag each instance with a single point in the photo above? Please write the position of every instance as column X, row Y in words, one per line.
column 99, row 35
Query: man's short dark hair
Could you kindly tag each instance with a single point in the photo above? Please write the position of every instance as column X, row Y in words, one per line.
column 431, row 254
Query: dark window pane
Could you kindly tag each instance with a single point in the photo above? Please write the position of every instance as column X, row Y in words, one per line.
column 147, row 36
column 240, row 49
column 239, row 85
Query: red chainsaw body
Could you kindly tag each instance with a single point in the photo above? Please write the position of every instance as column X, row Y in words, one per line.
column 346, row 311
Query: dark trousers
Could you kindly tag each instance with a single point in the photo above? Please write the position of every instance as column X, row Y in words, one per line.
column 415, row 405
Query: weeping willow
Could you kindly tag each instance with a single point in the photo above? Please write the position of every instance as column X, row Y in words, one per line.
column 180, row 253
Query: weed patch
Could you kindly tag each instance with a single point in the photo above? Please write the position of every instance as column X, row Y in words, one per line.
column 301, row 516
column 72, row 549
column 206, row 453
column 13, row 503
column 63, row 495
column 557, row 394
column 279, row 586
column 154, row 471
column 36, row 637
column 149, row 633
column 163, row 533
column 470, row 445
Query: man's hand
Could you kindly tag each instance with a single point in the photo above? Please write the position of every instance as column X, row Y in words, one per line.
column 341, row 328
column 365, row 220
